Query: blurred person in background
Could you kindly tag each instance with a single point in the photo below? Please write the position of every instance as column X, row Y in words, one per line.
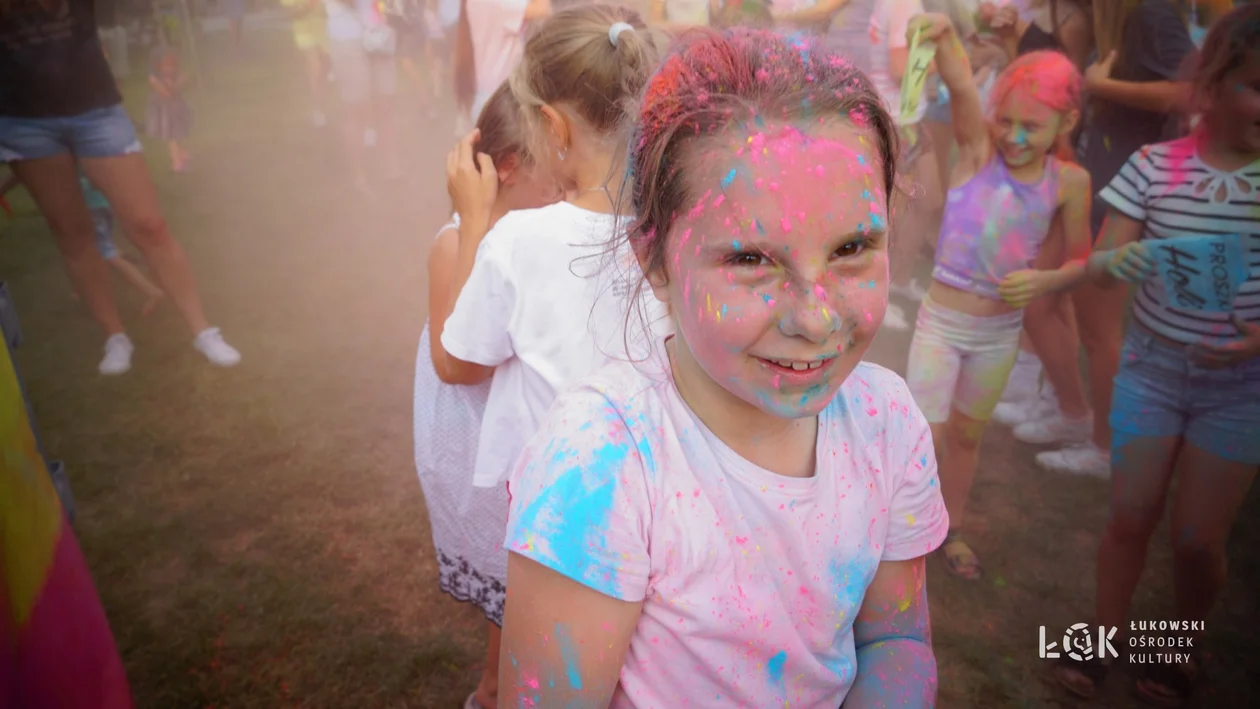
column 59, row 106
column 310, row 34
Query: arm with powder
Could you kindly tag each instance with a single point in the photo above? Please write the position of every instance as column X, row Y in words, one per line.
column 892, row 634
column 473, row 187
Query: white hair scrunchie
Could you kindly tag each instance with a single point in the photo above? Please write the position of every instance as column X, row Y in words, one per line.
column 615, row 31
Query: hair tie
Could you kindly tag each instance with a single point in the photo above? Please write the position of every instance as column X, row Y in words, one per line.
column 615, row 31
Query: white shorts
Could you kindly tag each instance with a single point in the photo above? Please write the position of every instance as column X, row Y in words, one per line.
column 361, row 75
column 960, row 361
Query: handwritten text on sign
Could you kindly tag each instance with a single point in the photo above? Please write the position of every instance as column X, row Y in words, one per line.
column 1202, row 272
column 917, row 63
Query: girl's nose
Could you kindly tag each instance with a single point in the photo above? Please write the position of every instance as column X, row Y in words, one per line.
column 809, row 315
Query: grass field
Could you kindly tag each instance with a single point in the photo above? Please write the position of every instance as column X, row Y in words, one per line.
column 257, row 534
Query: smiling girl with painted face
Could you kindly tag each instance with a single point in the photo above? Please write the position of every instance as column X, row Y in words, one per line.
column 742, row 518
column 1005, row 191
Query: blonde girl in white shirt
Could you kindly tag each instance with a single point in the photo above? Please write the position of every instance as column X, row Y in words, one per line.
column 530, row 310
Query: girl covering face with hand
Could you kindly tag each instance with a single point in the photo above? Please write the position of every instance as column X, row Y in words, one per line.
column 742, row 517
column 467, row 521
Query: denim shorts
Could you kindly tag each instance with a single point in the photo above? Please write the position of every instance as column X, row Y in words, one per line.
column 1160, row 391
column 99, row 133
column 103, row 225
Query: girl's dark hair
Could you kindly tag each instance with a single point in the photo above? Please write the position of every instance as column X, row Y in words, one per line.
column 500, row 126
column 716, row 81
column 1226, row 47
column 464, row 62
column 502, row 137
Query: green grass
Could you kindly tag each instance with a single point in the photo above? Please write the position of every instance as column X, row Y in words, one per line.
column 257, row 534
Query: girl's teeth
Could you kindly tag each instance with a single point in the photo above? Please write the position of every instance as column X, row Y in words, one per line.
column 797, row 366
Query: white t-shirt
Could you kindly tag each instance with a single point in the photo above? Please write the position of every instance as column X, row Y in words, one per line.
column 498, row 36
column 889, row 23
column 543, row 306
column 750, row 581
column 687, row 12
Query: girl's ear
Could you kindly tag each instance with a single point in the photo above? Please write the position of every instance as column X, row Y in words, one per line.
column 557, row 126
column 507, row 168
column 656, row 277
column 1068, row 124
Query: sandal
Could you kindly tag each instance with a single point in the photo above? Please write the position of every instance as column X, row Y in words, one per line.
column 1081, row 679
column 959, row 559
column 1167, row 685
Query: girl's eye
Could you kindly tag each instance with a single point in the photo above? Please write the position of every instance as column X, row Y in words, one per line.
column 852, row 248
column 746, row 258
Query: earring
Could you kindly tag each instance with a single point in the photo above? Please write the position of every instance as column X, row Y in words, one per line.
column 562, row 153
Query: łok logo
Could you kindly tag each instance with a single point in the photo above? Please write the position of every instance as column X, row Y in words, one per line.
column 1079, row 644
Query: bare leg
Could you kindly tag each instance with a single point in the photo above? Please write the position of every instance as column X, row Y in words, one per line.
column 1051, row 328
column 961, row 448
column 1100, row 316
column 1210, row 492
column 1141, row 470
column 54, row 185
column 132, row 275
column 488, row 687
column 125, row 181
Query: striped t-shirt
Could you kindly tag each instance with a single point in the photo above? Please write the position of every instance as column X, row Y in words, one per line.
column 1175, row 194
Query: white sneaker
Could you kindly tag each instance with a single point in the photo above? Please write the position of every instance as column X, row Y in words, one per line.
column 117, row 359
column 1087, row 459
column 1055, row 429
column 319, row 119
column 910, row 291
column 1014, row 413
column 369, row 138
column 895, row 318
column 211, row 344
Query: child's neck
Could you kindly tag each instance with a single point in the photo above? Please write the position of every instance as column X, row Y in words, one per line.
column 1219, row 154
column 1030, row 173
column 596, row 181
column 781, row 445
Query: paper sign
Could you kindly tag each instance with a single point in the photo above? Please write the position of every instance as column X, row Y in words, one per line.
column 917, row 63
column 1202, row 272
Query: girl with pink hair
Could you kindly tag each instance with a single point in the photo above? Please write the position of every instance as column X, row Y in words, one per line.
column 1013, row 178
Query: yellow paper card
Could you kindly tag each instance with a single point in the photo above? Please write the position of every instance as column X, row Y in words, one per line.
column 917, row 63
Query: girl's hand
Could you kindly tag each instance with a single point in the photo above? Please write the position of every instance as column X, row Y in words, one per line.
column 1132, row 262
column 1005, row 22
column 930, row 27
column 1020, row 288
column 472, row 184
column 1098, row 72
column 1232, row 353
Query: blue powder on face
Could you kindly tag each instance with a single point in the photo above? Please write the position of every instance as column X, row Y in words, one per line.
column 766, row 297
column 735, row 245
column 861, row 160
column 760, row 229
column 730, row 177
